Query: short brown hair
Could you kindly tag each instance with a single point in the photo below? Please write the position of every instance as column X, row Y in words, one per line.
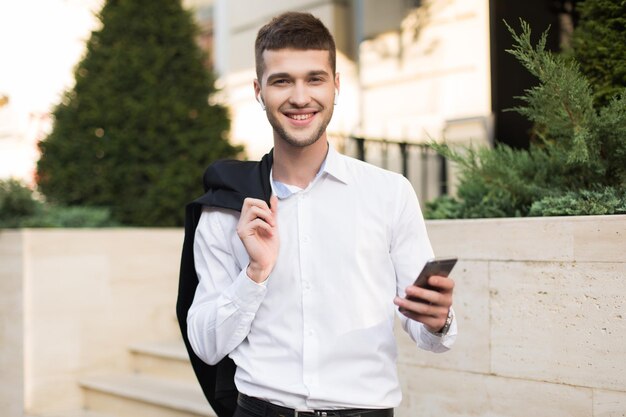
column 293, row 30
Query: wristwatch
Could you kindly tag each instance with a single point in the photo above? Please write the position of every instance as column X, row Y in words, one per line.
column 444, row 330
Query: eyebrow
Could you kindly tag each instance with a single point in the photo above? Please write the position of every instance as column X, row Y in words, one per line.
column 279, row 75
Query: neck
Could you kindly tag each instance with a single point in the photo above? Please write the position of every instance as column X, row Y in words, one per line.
column 298, row 166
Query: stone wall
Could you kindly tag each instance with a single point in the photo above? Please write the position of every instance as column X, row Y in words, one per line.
column 87, row 295
column 540, row 304
column 11, row 325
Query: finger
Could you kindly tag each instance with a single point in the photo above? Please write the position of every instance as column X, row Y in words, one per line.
column 254, row 202
column 258, row 226
column 420, row 308
column 443, row 299
column 254, row 212
column 432, row 322
column 423, row 294
column 441, row 283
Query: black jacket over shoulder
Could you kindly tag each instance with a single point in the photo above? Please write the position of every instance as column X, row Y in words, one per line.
column 226, row 185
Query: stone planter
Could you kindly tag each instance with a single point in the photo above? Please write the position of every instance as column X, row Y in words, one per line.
column 72, row 301
column 541, row 304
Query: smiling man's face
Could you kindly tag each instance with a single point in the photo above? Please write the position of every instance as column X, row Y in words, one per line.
column 298, row 91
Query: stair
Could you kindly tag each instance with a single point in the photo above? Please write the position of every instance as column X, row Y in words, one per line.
column 161, row 384
column 164, row 359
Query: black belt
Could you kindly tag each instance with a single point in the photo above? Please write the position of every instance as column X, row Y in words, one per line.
column 268, row 409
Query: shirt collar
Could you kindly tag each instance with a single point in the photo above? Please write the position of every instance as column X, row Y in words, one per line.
column 332, row 165
column 335, row 165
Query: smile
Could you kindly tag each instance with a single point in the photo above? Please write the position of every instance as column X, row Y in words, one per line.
column 301, row 116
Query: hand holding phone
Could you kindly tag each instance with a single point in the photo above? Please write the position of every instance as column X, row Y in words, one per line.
column 437, row 266
column 435, row 314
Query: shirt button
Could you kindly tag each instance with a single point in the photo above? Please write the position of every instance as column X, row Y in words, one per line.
column 306, row 239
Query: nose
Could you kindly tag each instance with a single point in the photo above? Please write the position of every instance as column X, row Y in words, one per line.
column 300, row 96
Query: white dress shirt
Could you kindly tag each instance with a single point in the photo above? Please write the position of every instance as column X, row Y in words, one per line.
column 318, row 333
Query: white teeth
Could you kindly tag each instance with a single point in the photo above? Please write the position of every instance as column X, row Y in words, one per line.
column 301, row 116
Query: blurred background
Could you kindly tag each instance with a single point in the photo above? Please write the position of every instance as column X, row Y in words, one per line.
column 412, row 72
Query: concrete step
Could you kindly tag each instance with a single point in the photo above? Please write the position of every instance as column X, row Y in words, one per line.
column 162, row 359
column 134, row 395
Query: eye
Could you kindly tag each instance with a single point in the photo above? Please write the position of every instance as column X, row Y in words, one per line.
column 281, row 81
column 316, row 80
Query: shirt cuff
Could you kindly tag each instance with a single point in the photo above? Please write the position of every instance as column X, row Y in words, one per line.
column 434, row 343
column 245, row 293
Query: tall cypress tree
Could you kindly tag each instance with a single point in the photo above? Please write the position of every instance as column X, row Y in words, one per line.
column 137, row 130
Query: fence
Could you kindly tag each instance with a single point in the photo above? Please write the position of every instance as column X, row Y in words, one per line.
column 425, row 168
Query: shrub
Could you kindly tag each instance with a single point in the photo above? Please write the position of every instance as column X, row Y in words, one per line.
column 583, row 202
column 578, row 149
column 599, row 45
column 137, row 130
column 75, row 217
column 16, row 203
column 20, row 208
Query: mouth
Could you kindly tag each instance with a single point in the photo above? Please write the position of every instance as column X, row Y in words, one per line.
column 301, row 117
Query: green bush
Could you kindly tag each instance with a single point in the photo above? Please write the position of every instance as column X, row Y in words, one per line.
column 584, row 202
column 20, row 208
column 75, row 217
column 444, row 207
column 599, row 46
column 137, row 130
column 579, row 149
column 17, row 203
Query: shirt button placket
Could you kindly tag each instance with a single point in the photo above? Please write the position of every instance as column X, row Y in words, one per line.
column 310, row 345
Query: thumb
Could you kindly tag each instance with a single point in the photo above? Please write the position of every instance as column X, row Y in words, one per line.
column 274, row 203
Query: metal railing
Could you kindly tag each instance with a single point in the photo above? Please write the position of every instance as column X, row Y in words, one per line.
column 425, row 168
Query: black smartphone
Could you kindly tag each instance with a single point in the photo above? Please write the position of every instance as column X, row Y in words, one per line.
column 437, row 266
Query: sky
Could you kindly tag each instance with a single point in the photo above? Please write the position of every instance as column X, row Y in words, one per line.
column 40, row 43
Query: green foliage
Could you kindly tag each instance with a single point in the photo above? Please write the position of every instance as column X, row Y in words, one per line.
column 499, row 182
column 137, row 130
column 561, row 105
column 16, row 203
column 444, row 207
column 75, row 217
column 20, row 208
column 584, row 202
column 599, row 45
column 579, row 149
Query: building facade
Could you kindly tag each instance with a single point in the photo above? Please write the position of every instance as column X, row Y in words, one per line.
column 411, row 72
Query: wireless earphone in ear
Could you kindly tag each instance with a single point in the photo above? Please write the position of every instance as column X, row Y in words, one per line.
column 261, row 102
column 336, row 95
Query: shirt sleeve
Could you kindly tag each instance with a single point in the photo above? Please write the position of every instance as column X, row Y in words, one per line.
column 226, row 299
column 427, row 340
column 410, row 249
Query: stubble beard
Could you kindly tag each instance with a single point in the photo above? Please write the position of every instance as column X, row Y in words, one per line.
column 292, row 140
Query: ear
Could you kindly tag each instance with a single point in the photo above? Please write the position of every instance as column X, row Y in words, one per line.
column 337, row 84
column 257, row 89
column 257, row 94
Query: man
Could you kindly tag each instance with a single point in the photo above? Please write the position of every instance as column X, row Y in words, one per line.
column 302, row 292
